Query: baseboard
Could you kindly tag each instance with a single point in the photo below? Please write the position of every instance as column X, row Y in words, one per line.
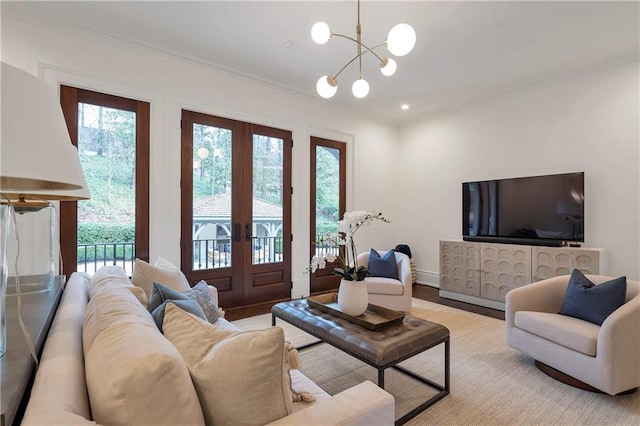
column 429, row 278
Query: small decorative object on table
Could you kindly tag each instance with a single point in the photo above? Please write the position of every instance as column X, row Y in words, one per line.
column 352, row 294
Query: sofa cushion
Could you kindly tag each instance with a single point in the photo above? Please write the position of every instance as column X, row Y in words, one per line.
column 378, row 285
column 134, row 375
column 241, row 378
column 163, row 272
column 161, row 295
column 572, row 333
column 594, row 303
column 382, row 266
column 114, row 276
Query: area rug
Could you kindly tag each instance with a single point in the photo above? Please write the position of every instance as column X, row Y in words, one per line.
column 491, row 384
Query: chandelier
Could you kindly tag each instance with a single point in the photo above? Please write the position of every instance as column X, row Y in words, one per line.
column 400, row 41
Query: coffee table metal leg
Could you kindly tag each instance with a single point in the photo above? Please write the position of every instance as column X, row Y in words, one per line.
column 381, row 378
column 444, row 390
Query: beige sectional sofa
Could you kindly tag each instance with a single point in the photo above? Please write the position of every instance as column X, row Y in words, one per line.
column 107, row 362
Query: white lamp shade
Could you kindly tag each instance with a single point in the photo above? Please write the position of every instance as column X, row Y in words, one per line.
column 37, row 157
column 360, row 88
column 401, row 39
column 390, row 67
column 320, row 32
column 325, row 89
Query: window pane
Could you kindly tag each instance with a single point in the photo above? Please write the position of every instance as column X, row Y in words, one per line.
column 211, row 197
column 267, row 199
column 327, row 196
column 106, row 222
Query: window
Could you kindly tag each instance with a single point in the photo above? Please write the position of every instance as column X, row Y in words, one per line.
column 112, row 137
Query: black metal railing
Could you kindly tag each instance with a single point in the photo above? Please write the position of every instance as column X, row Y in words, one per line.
column 207, row 254
column 322, row 247
column 92, row 257
column 211, row 253
column 216, row 252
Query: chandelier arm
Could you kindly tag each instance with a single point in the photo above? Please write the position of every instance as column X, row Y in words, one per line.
column 370, row 50
column 347, row 64
column 367, row 49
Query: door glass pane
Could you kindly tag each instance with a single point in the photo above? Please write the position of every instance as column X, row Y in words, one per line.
column 327, row 196
column 267, row 199
column 211, row 197
column 106, row 222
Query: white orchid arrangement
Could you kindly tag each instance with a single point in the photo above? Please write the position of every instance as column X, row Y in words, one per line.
column 348, row 258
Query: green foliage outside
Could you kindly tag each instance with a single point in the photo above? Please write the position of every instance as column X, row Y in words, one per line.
column 327, row 190
column 105, row 241
column 107, row 153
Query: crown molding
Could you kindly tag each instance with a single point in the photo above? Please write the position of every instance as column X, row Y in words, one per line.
column 22, row 13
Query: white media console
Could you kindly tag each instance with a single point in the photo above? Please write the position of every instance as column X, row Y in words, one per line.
column 483, row 273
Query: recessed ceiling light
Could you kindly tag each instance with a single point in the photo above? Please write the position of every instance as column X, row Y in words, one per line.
column 405, row 107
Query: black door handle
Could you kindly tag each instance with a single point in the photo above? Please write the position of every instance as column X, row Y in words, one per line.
column 236, row 232
column 247, row 231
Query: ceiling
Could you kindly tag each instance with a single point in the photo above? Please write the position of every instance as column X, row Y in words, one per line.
column 465, row 51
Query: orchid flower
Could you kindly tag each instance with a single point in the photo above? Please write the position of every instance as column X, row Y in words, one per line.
column 347, row 259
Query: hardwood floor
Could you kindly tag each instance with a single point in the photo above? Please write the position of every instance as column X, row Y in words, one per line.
column 419, row 291
column 430, row 294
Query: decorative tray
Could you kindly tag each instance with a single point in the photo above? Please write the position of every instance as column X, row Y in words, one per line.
column 374, row 318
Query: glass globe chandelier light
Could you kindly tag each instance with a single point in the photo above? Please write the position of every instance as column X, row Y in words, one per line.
column 400, row 41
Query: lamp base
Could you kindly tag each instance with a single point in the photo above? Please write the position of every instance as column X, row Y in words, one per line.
column 5, row 212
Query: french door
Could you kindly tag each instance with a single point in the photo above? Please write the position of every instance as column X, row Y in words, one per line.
column 236, row 208
column 328, row 201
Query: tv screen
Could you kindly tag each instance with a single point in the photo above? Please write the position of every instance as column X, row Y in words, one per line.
column 527, row 210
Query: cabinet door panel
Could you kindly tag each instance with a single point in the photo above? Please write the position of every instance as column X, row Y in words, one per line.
column 459, row 266
column 552, row 261
column 504, row 267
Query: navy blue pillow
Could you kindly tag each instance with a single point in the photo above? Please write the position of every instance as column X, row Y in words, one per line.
column 590, row 302
column 161, row 295
column 382, row 266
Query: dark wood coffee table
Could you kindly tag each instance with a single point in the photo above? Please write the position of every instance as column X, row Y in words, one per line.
column 381, row 349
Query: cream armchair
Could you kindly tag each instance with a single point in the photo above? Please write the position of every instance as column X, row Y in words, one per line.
column 606, row 357
column 388, row 292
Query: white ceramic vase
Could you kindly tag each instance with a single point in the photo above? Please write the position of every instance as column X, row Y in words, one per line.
column 353, row 298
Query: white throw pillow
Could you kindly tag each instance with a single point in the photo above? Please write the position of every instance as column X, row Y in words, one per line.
column 145, row 274
column 134, row 375
column 241, row 377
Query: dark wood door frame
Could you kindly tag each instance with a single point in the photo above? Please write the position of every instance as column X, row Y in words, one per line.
column 323, row 280
column 243, row 283
column 70, row 97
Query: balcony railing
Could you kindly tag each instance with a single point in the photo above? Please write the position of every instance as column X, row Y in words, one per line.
column 324, row 248
column 216, row 252
column 92, row 257
column 207, row 254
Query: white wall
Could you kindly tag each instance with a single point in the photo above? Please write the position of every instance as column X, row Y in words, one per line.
column 82, row 60
column 585, row 124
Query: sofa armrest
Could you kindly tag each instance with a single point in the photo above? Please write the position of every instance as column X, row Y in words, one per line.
column 542, row 296
column 619, row 345
column 59, row 394
column 364, row 404
column 404, row 269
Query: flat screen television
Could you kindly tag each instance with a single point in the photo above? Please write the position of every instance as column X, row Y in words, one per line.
column 536, row 210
